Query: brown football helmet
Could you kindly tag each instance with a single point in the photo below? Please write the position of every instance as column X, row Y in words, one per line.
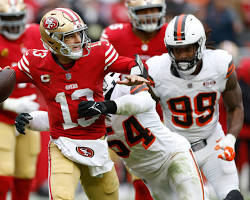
column 12, row 18
column 146, row 22
column 58, row 23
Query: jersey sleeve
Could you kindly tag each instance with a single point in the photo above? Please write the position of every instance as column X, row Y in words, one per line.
column 40, row 121
column 23, row 73
column 231, row 68
column 224, row 61
column 116, row 63
column 134, row 104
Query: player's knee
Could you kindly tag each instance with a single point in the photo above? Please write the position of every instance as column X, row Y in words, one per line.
column 6, row 169
column 28, row 172
column 62, row 195
column 234, row 195
column 110, row 182
column 105, row 188
column 6, row 163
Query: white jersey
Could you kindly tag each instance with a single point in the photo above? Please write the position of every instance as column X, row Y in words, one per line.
column 142, row 140
column 190, row 107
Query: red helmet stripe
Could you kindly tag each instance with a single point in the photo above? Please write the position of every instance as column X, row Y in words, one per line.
column 75, row 19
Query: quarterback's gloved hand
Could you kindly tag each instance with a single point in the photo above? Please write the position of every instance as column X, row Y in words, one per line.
column 227, row 144
column 22, row 104
column 21, row 121
column 92, row 108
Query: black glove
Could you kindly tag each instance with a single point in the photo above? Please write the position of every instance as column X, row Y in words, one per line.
column 21, row 121
column 92, row 108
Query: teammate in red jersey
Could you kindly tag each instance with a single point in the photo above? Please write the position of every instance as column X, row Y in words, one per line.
column 69, row 71
column 145, row 33
column 143, row 36
column 18, row 158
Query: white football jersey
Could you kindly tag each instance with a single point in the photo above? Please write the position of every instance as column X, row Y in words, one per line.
column 142, row 140
column 190, row 107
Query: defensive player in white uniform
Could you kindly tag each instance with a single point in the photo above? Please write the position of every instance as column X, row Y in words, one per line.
column 189, row 81
column 151, row 151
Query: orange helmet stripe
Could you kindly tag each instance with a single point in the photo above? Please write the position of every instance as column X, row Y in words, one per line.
column 179, row 30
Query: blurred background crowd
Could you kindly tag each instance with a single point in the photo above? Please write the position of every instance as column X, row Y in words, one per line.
column 229, row 21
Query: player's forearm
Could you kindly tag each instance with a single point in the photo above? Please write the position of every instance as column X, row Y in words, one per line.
column 235, row 120
column 40, row 121
column 134, row 104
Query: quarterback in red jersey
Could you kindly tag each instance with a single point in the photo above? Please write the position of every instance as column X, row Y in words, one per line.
column 18, row 159
column 69, row 71
column 143, row 36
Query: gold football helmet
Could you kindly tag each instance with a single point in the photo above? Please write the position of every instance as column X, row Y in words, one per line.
column 58, row 23
column 12, row 18
column 146, row 22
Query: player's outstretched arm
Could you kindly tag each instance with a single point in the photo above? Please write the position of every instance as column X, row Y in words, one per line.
column 37, row 121
column 125, row 105
column 134, row 104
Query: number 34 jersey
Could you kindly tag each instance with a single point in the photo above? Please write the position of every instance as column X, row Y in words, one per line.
column 63, row 90
column 190, row 107
column 142, row 140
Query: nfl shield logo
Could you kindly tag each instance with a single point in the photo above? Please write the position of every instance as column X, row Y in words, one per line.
column 68, row 76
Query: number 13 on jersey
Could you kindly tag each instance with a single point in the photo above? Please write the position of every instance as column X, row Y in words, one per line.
column 76, row 95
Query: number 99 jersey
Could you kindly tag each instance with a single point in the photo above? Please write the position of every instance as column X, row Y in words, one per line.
column 191, row 107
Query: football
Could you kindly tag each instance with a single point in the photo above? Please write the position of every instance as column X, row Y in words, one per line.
column 7, row 83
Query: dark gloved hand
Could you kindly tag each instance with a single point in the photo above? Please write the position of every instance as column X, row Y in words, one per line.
column 21, row 121
column 91, row 108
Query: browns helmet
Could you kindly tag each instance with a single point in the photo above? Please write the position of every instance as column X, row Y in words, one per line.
column 181, row 31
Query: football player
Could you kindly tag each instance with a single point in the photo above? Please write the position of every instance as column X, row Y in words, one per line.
column 143, row 35
column 69, row 71
column 189, row 81
column 151, row 151
column 18, row 157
